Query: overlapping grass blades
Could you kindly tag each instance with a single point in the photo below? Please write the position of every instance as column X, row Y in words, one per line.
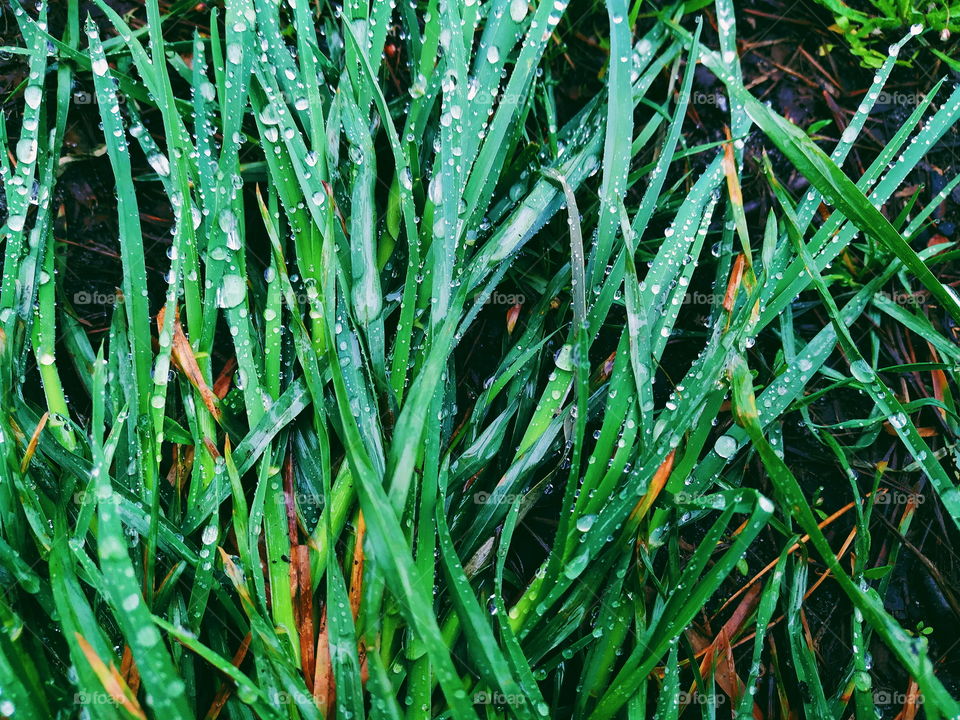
column 336, row 530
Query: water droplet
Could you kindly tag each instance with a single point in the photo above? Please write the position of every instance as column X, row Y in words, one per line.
column 576, row 566
column 147, row 636
column 32, row 96
column 232, row 291
column 898, row 421
column 27, row 150
column 160, row 164
column 861, row 370
column 725, row 446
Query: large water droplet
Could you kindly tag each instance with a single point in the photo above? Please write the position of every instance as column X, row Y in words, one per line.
column 32, row 96
column 518, row 10
column 725, row 446
column 232, row 291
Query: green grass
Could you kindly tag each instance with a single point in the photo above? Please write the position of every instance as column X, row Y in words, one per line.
column 864, row 26
column 413, row 500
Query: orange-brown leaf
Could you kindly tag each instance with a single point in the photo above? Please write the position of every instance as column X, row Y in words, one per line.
column 733, row 284
column 223, row 693
column 183, row 357
column 111, row 680
column 512, row 315
column 32, row 445
column 656, row 485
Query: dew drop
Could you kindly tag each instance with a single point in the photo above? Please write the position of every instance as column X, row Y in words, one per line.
column 32, row 96
column 725, row 446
